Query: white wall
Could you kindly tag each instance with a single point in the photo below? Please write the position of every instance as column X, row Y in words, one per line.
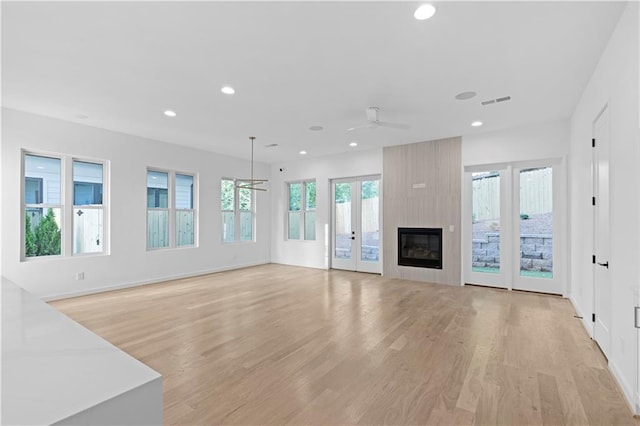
column 614, row 82
column 314, row 253
column 534, row 142
column 128, row 262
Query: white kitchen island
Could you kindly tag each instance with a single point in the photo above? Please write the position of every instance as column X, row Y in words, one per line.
column 53, row 370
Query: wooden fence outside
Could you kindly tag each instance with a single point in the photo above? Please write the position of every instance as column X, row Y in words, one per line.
column 536, row 194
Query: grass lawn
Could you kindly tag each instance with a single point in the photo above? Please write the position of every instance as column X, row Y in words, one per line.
column 533, row 274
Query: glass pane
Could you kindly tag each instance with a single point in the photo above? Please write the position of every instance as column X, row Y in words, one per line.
column 294, row 226
column 310, row 195
column 370, row 245
column 157, row 189
column 184, row 192
column 33, row 190
column 228, row 227
column 157, row 228
column 87, row 231
column 343, row 221
column 295, row 196
column 310, row 225
column 46, row 172
column 485, row 250
column 245, row 199
column 185, row 226
column 42, row 232
column 87, row 183
column 246, row 226
column 536, row 223
column 227, row 195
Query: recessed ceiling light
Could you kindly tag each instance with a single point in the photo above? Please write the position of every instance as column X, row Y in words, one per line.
column 425, row 11
column 316, row 128
column 465, row 95
column 476, row 123
column 353, row 144
column 170, row 113
column 228, row 90
column 303, row 152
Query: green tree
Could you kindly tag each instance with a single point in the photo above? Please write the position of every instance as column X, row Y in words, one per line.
column 30, row 248
column 47, row 236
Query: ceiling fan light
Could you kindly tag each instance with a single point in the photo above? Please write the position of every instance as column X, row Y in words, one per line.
column 425, row 11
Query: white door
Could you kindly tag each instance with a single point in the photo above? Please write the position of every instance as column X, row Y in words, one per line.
column 356, row 224
column 601, row 275
column 513, row 234
column 538, row 209
column 488, row 255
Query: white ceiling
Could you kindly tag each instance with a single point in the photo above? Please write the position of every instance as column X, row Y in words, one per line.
column 299, row 64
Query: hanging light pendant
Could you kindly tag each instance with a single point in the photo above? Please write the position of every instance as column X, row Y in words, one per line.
column 251, row 183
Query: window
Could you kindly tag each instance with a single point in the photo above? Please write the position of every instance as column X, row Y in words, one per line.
column 185, row 214
column 171, row 215
column 49, row 198
column 88, row 211
column 237, row 206
column 301, row 218
column 42, row 210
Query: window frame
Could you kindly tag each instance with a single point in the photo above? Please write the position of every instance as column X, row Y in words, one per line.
column 66, row 205
column 237, row 212
column 303, row 210
column 171, row 208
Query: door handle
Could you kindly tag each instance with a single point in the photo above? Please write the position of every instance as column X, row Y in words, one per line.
column 605, row 264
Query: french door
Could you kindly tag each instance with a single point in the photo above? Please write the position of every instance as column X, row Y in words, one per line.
column 355, row 215
column 515, row 235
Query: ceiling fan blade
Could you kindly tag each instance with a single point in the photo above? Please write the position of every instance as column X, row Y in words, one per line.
column 394, row 125
column 364, row 126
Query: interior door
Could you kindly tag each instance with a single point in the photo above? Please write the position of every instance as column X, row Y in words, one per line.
column 356, row 224
column 601, row 275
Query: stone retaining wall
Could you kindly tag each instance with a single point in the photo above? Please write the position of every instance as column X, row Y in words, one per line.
column 536, row 252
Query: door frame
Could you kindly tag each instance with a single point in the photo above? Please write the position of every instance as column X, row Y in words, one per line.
column 358, row 182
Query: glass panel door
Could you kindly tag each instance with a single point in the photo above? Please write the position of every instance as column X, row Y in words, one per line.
column 343, row 235
column 487, row 258
column 513, row 233
column 356, row 224
column 536, row 224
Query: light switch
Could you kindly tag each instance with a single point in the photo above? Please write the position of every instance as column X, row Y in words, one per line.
column 451, row 228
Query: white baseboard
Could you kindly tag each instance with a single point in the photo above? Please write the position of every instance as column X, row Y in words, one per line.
column 323, row 268
column 586, row 323
column 156, row 280
column 627, row 390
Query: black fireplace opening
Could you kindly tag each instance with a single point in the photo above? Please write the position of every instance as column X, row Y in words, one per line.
column 420, row 247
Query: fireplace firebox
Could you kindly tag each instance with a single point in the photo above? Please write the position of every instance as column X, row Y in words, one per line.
column 420, row 247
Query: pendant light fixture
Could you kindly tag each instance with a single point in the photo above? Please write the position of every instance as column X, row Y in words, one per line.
column 251, row 183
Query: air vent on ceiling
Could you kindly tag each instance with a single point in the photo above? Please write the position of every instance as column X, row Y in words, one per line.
column 495, row 101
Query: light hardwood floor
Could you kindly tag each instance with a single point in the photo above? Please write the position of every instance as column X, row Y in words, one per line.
column 276, row 344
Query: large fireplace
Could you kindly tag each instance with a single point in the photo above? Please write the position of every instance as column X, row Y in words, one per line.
column 420, row 247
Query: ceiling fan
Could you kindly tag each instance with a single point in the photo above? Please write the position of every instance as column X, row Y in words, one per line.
column 373, row 122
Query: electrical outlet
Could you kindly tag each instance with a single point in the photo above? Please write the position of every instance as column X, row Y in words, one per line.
column 79, row 276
